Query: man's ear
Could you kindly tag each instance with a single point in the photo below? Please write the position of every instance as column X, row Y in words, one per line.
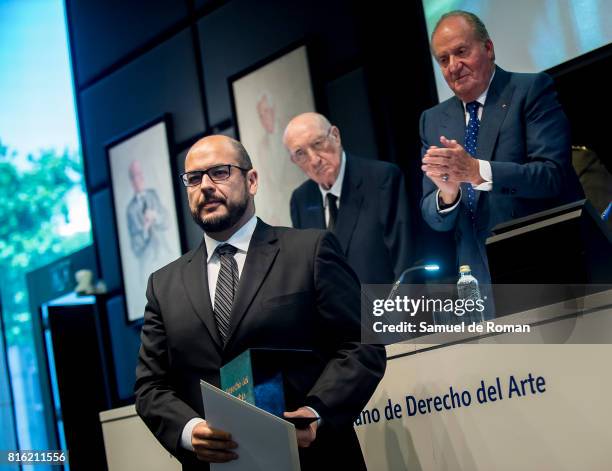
column 490, row 49
column 252, row 181
column 335, row 132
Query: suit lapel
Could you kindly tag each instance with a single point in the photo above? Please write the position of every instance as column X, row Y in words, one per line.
column 314, row 212
column 260, row 257
column 453, row 122
column 195, row 280
column 493, row 114
column 350, row 205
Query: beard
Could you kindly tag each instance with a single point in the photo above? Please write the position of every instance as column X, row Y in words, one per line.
column 218, row 223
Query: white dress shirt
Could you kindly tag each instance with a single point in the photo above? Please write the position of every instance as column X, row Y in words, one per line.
column 335, row 190
column 241, row 240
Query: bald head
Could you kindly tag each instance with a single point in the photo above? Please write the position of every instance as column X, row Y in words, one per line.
column 306, row 121
column 134, row 167
column 314, row 145
column 221, row 205
column 136, row 177
column 222, row 144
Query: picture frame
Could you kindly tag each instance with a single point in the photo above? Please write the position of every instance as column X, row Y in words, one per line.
column 265, row 97
column 144, row 205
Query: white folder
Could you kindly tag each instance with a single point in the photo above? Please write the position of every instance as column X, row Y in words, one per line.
column 265, row 442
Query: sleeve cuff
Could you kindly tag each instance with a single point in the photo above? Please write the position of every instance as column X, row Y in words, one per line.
column 449, row 208
column 188, row 431
column 484, row 167
column 319, row 420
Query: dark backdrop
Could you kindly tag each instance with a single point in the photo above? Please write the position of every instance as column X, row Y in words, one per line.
column 135, row 60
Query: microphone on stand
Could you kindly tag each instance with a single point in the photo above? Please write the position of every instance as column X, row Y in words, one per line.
column 426, row 267
column 369, row 297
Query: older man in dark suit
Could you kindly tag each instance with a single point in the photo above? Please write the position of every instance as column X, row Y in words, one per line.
column 362, row 201
column 498, row 150
column 251, row 285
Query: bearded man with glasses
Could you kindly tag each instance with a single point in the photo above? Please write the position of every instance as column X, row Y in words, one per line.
column 251, row 285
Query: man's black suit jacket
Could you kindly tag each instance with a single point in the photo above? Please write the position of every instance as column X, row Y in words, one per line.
column 295, row 291
column 373, row 218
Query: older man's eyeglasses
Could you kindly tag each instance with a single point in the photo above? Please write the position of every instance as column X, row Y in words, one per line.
column 301, row 155
column 218, row 173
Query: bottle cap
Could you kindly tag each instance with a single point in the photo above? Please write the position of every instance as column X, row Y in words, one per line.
column 465, row 269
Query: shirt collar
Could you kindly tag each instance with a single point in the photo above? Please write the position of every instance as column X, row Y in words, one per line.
column 336, row 188
column 240, row 239
column 483, row 97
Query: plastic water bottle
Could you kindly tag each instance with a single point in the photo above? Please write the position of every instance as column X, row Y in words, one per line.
column 467, row 288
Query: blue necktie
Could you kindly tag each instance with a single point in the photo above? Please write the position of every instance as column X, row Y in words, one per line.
column 471, row 142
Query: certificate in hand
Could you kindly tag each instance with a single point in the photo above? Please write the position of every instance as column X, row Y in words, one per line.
column 265, row 442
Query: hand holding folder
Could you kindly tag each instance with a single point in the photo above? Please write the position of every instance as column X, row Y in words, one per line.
column 265, row 441
column 213, row 445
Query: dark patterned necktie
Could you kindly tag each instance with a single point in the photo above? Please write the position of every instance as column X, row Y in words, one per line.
column 332, row 205
column 227, row 283
column 471, row 142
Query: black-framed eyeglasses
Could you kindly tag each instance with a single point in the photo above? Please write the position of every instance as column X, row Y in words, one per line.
column 218, row 173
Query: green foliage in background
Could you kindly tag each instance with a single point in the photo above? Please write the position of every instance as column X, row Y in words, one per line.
column 32, row 201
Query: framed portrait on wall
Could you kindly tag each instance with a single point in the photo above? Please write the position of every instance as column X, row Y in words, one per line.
column 145, row 209
column 264, row 98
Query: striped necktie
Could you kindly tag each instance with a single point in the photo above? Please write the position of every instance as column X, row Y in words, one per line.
column 227, row 283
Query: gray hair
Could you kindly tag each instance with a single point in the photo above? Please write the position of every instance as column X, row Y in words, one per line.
column 480, row 30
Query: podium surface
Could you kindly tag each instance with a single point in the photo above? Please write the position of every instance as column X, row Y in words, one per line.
column 129, row 444
column 559, row 422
